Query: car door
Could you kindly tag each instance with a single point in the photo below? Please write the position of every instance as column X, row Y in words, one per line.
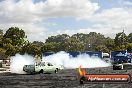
column 44, row 67
column 50, row 67
column 38, row 67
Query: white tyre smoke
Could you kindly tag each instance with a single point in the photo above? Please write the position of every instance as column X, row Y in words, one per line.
column 63, row 58
column 18, row 61
column 60, row 59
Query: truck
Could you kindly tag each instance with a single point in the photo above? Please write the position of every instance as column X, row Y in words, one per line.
column 106, row 57
column 41, row 67
column 121, row 60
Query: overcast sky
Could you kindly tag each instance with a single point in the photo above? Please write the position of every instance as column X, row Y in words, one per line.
column 43, row 18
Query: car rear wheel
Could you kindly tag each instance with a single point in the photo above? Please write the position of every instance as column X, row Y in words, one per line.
column 41, row 71
column 32, row 73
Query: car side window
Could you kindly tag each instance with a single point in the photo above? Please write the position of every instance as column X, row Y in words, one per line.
column 49, row 64
column 38, row 64
column 43, row 64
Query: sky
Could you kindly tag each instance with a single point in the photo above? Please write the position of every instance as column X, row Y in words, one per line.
column 43, row 18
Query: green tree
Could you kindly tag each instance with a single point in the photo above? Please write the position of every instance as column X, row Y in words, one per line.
column 109, row 43
column 51, row 47
column 80, row 36
column 88, row 42
column 129, row 47
column 93, row 40
column 72, row 44
column 2, row 54
column 13, row 40
column 2, row 50
column 121, row 40
column 130, row 38
column 58, row 38
column 38, row 43
column 31, row 49
column 1, row 36
column 102, row 48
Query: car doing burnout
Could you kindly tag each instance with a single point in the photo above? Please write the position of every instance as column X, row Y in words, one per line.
column 41, row 67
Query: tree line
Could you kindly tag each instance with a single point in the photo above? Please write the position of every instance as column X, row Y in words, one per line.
column 14, row 40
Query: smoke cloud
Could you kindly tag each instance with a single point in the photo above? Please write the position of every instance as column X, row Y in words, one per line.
column 63, row 58
column 18, row 61
column 60, row 58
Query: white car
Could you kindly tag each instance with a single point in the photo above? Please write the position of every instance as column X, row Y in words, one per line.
column 41, row 67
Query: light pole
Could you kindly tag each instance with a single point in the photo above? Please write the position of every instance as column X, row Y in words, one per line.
column 89, row 47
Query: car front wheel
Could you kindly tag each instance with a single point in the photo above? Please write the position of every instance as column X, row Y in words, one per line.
column 56, row 71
